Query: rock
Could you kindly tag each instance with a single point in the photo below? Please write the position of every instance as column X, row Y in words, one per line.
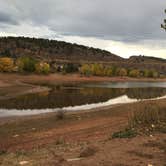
column 150, row 165
column 23, row 162
column 89, row 151
column 74, row 159
column 153, row 126
column 15, row 135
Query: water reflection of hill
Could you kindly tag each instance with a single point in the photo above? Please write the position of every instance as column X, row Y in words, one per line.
column 71, row 96
column 145, row 93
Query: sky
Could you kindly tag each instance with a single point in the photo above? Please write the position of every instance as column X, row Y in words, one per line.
column 125, row 28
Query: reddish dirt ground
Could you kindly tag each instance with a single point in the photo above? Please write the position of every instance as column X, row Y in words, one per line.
column 66, row 138
column 59, row 78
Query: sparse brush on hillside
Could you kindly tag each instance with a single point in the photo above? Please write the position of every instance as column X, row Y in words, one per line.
column 51, row 50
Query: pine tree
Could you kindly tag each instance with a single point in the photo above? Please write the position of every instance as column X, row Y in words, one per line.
column 164, row 24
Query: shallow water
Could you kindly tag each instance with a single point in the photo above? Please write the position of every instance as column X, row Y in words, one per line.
column 82, row 97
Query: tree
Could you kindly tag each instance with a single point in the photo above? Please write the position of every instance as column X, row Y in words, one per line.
column 134, row 73
column 108, row 71
column 42, row 68
column 164, row 24
column 122, row 72
column 151, row 73
column 85, row 69
column 26, row 64
column 70, row 68
column 6, row 64
column 97, row 69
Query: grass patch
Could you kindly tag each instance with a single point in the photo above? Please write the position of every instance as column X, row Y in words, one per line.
column 127, row 133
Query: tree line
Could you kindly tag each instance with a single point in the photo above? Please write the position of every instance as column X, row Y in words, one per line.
column 103, row 70
column 27, row 64
column 23, row 64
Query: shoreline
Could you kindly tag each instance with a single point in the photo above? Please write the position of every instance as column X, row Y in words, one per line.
column 97, row 110
column 9, row 113
column 13, row 85
column 8, row 79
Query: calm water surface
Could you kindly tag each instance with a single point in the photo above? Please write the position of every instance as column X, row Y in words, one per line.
column 82, row 96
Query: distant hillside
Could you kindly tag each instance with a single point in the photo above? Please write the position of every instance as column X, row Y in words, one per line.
column 52, row 50
column 146, row 59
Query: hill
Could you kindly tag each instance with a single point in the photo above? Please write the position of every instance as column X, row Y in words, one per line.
column 146, row 59
column 51, row 50
column 54, row 51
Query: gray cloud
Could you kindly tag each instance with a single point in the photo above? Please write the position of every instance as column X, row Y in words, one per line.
column 7, row 19
column 127, row 21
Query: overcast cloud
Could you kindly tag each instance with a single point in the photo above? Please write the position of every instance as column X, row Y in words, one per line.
column 129, row 22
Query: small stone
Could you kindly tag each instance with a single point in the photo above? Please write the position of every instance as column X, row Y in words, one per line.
column 74, row 159
column 151, row 135
column 150, row 165
column 23, row 162
column 15, row 135
column 153, row 125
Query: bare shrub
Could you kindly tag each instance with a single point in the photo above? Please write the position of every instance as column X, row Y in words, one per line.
column 60, row 115
column 89, row 151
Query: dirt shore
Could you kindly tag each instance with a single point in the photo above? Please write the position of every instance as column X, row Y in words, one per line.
column 44, row 140
column 10, row 79
column 12, row 85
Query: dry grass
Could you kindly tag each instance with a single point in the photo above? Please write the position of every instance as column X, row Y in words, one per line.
column 144, row 119
column 149, row 117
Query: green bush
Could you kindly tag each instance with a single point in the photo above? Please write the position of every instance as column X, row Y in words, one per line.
column 151, row 73
column 127, row 133
column 70, row 68
column 26, row 64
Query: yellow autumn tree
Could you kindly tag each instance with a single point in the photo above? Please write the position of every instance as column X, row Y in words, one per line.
column 6, row 64
column 42, row 68
column 134, row 73
column 85, row 69
column 122, row 72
